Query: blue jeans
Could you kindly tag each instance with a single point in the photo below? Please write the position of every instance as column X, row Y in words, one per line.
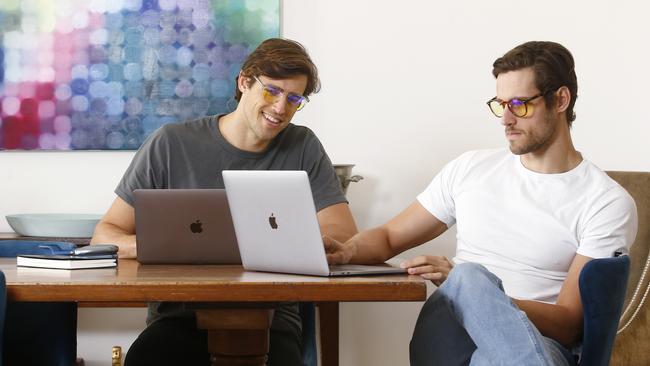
column 469, row 320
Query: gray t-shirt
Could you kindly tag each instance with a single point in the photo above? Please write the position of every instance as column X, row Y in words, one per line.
column 193, row 154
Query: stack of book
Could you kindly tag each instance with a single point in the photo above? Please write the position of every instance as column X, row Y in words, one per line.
column 92, row 256
column 67, row 261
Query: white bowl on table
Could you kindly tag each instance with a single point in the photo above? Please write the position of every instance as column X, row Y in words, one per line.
column 59, row 225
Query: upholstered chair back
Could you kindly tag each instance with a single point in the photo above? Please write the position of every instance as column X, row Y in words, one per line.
column 632, row 345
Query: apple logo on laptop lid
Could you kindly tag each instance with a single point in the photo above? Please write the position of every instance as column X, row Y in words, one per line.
column 196, row 227
column 273, row 222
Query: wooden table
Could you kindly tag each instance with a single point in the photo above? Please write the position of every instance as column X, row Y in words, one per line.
column 14, row 236
column 237, row 333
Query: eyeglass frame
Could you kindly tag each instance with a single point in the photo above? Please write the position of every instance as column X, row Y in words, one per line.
column 524, row 101
column 266, row 88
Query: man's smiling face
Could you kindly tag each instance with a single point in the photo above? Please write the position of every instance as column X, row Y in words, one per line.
column 266, row 118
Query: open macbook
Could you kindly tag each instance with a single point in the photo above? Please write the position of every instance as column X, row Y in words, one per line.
column 276, row 225
column 184, row 226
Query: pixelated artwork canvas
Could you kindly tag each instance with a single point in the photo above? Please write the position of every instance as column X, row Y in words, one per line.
column 104, row 74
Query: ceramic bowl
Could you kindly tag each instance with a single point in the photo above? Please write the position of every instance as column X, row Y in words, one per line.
column 59, row 225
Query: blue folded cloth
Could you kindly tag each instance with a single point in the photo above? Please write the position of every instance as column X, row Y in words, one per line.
column 14, row 248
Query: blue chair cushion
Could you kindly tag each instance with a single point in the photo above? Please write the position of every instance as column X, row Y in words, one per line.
column 602, row 289
column 40, row 333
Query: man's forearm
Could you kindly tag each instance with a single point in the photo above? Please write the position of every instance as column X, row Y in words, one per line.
column 371, row 246
column 336, row 222
column 553, row 321
column 340, row 233
column 111, row 234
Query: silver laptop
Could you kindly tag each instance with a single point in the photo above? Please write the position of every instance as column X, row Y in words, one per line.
column 184, row 226
column 276, row 225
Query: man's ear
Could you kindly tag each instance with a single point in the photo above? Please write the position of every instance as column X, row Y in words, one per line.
column 563, row 99
column 243, row 82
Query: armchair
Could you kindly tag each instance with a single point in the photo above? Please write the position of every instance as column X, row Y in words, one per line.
column 632, row 344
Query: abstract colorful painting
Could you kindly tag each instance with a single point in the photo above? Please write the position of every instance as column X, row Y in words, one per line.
column 104, row 74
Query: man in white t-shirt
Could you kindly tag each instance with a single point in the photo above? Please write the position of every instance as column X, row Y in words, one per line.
column 528, row 219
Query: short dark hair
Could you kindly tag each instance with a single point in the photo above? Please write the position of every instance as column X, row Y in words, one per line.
column 552, row 64
column 280, row 58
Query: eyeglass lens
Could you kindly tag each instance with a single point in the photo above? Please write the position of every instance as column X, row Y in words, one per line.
column 271, row 95
column 518, row 107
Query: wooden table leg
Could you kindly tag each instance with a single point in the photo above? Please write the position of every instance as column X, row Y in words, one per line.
column 329, row 332
column 236, row 336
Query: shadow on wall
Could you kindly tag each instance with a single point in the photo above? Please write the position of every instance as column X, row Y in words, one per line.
column 362, row 197
column 372, row 206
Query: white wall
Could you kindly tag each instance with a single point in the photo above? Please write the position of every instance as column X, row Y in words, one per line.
column 404, row 86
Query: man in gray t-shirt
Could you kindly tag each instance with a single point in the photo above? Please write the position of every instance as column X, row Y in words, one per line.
column 273, row 84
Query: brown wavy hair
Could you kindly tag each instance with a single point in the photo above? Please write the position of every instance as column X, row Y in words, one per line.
column 552, row 64
column 279, row 58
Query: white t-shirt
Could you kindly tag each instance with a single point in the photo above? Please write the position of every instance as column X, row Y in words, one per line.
column 526, row 227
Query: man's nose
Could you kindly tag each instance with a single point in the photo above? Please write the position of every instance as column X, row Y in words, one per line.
column 280, row 105
column 508, row 118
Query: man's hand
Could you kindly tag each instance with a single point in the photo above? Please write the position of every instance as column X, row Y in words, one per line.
column 337, row 252
column 430, row 267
